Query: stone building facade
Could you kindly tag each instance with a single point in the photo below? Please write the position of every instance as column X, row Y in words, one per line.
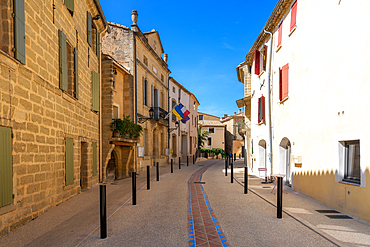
column 49, row 108
column 233, row 123
column 142, row 53
column 119, row 152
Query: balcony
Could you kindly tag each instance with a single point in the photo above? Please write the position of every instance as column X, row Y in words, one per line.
column 155, row 113
column 243, row 128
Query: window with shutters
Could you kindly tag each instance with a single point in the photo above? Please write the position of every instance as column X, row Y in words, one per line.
column 260, row 58
column 95, row 158
column 209, row 141
column 69, row 166
column 145, row 91
column 261, row 110
column 293, row 17
column 70, row 5
column 284, row 83
column 68, row 66
column 6, row 167
column 95, row 39
column 352, row 168
column 211, row 130
column 173, row 106
column 280, row 34
column 95, row 91
column 12, row 29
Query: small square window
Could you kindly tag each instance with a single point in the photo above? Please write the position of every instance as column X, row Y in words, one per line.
column 211, row 130
column 201, row 117
column 352, row 162
column 145, row 60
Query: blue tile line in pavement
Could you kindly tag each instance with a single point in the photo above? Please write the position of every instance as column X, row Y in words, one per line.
column 214, row 219
column 190, row 219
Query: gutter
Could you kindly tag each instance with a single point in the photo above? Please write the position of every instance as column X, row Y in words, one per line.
column 102, row 16
column 268, row 96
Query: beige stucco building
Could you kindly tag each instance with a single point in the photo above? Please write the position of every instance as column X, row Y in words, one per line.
column 318, row 133
column 216, row 130
column 49, row 108
column 141, row 53
column 233, row 123
column 186, row 145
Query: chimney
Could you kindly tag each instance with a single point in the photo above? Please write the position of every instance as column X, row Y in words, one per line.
column 240, row 111
column 165, row 57
column 225, row 115
column 234, row 112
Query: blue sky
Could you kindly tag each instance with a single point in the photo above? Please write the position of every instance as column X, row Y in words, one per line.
column 205, row 41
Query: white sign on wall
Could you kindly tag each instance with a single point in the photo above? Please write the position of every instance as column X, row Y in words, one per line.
column 140, row 151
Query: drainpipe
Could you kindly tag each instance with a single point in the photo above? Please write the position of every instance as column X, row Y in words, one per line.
column 268, row 96
column 100, row 113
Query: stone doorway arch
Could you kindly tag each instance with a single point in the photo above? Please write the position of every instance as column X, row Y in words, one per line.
column 111, row 167
column 284, row 159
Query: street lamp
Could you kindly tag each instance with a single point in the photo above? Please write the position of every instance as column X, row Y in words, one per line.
column 172, row 129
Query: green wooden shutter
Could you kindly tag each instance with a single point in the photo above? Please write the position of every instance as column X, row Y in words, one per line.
column 6, row 167
column 97, row 43
column 69, row 166
column 63, row 71
column 95, row 91
column 70, row 4
column 76, row 72
column 94, row 158
column 89, row 29
column 19, row 32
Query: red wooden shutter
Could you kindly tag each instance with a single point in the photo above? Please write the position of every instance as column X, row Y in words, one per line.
column 257, row 62
column 263, row 109
column 285, row 75
column 293, row 14
column 280, row 86
column 264, row 56
column 280, row 34
column 259, row 110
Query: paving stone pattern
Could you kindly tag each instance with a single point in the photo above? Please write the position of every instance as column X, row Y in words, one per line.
column 204, row 229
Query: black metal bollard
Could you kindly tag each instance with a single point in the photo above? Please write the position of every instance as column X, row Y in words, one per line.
column 226, row 166
column 179, row 163
column 187, row 160
column 232, row 172
column 245, row 179
column 279, row 205
column 148, row 177
column 234, row 156
column 193, row 160
column 103, row 211
column 157, row 171
column 171, row 165
column 239, row 156
column 133, row 188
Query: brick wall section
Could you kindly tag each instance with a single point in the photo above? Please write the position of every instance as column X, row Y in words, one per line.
column 42, row 116
column 6, row 26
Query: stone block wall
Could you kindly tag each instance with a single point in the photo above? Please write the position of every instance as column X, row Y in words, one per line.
column 41, row 115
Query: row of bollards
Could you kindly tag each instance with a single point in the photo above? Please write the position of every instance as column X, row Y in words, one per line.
column 103, row 195
column 279, row 204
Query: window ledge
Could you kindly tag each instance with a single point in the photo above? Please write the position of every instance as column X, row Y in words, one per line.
column 350, row 183
column 291, row 32
column 283, row 100
column 260, row 123
column 279, row 47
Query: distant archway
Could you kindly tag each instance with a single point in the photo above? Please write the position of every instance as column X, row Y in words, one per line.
column 284, row 159
column 262, row 154
column 111, row 167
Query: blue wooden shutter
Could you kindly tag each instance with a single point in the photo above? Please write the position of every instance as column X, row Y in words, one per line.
column 6, row 167
column 89, row 29
column 63, row 71
column 76, row 72
column 69, row 166
column 94, row 159
column 19, row 32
